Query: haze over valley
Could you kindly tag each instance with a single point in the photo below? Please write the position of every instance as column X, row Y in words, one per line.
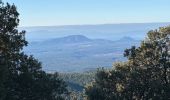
column 77, row 48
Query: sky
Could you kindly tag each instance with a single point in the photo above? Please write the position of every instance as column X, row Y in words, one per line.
column 80, row 12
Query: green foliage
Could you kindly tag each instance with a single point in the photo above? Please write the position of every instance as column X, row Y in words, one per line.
column 76, row 83
column 78, row 78
column 21, row 76
column 146, row 74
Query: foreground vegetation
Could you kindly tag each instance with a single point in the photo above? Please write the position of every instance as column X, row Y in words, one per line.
column 145, row 76
column 76, row 83
column 21, row 76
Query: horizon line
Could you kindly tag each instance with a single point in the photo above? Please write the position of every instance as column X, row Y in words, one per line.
column 90, row 24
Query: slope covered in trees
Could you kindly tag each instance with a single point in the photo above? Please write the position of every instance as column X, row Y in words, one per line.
column 21, row 76
column 145, row 76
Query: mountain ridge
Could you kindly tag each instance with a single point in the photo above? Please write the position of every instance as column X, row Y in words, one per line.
column 78, row 54
column 82, row 39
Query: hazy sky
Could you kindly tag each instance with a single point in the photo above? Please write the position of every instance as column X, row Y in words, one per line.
column 71, row 12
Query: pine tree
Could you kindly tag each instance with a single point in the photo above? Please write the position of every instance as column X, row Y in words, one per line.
column 21, row 76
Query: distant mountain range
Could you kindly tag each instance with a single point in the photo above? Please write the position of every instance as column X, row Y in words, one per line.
column 104, row 31
column 84, row 47
column 77, row 53
column 70, row 39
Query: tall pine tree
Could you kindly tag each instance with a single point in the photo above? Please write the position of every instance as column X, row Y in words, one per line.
column 21, row 76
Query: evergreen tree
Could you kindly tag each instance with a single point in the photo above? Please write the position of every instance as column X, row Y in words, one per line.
column 146, row 74
column 21, row 76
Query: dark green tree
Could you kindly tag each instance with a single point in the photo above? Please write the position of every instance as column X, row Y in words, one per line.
column 146, row 74
column 21, row 76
